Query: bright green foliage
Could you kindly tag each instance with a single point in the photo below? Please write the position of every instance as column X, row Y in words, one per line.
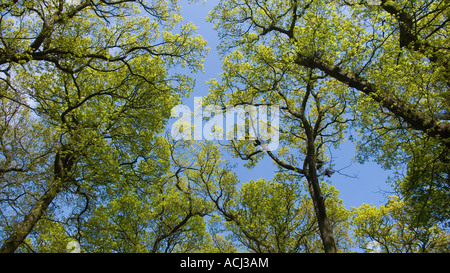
column 260, row 68
column 20, row 148
column 410, row 63
column 86, row 88
column 139, row 224
column 98, row 78
column 164, row 212
column 380, row 70
column 278, row 216
column 51, row 237
column 396, row 230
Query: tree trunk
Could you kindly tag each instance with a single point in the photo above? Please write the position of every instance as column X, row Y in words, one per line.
column 62, row 165
column 326, row 232
column 30, row 220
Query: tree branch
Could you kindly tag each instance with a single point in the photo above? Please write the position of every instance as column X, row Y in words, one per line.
column 415, row 118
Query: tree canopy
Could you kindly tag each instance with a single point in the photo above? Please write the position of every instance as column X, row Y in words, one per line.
column 87, row 88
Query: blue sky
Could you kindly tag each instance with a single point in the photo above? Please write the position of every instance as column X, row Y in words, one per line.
column 369, row 186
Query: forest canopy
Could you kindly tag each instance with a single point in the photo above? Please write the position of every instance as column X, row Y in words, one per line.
column 88, row 89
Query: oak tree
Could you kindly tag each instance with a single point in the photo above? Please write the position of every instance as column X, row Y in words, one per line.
column 97, row 76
